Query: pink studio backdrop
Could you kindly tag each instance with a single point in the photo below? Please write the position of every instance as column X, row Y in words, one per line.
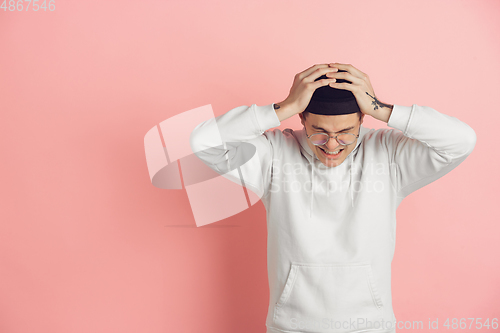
column 88, row 244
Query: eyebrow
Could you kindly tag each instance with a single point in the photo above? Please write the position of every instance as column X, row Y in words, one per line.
column 322, row 129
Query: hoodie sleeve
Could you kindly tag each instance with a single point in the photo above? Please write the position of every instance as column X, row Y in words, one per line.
column 238, row 145
column 430, row 145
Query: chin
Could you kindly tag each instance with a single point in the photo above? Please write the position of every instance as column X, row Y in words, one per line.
column 331, row 163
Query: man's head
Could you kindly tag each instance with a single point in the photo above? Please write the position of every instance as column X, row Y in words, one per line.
column 332, row 125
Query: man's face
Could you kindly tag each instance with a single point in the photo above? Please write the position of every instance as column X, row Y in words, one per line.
column 332, row 125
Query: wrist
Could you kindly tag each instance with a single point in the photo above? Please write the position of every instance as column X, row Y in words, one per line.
column 383, row 113
column 283, row 110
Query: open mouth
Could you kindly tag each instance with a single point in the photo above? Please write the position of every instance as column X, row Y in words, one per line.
column 330, row 155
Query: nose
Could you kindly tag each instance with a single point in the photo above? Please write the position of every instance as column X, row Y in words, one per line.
column 332, row 144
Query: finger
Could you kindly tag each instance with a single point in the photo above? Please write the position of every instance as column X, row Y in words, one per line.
column 310, row 70
column 320, row 83
column 350, row 68
column 346, row 76
column 319, row 72
column 343, row 85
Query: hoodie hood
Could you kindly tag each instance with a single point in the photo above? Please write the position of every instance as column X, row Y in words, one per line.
column 312, row 158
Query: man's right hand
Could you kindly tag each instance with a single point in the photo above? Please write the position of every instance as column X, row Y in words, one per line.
column 302, row 90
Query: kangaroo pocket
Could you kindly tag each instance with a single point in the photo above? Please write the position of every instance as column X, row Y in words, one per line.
column 341, row 297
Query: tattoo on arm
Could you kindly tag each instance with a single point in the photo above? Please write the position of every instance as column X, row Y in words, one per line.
column 276, row 106
column 376, row 103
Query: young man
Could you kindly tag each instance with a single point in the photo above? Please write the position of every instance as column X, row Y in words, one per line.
column 331, row 191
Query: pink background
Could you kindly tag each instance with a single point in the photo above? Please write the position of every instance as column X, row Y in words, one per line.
column 88, row 244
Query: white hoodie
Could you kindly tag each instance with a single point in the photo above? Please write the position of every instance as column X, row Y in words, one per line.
column 331, row 231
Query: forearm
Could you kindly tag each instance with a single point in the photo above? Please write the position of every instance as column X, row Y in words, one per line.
column 239, row 146
column 383, row 113
column 444, row 134
column 240, row 124
column 283, row 111
column 431, row 145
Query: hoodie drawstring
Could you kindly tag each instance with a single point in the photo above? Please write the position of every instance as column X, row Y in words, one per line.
column 312, row 187
column 351, row 185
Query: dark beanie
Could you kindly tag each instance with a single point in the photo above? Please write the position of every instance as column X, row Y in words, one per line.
column 330, row 101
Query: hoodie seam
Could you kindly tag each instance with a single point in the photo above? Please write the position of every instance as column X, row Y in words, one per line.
column 256, row 119
column 394, row 186
column 408, row 124
column 405, row 133
column 261, row 132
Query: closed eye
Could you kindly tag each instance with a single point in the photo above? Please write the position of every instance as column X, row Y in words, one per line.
column 322, row 130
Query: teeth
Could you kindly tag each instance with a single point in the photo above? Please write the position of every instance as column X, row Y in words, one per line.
column 334, row 152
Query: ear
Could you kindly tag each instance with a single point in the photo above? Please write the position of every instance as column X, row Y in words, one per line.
column 362, row 117
column 302, row 119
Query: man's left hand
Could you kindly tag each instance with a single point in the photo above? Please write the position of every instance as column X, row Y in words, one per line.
column 362, row 89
